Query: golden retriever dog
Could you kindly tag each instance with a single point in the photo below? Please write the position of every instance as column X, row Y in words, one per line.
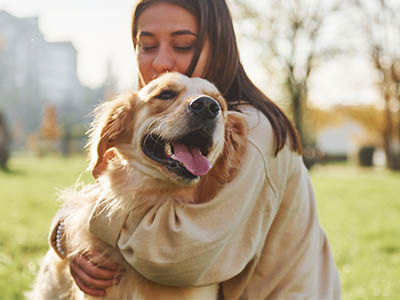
column 173, row 138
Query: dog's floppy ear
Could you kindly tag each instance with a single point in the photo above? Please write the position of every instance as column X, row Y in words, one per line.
column 228, row 164
column 235, row 146
column 112, row 125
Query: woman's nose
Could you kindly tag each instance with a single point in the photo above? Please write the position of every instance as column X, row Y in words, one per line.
column 163, row 62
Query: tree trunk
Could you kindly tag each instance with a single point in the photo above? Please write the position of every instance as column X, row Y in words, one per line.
column 395, row 151
column 392, row 152
column 297, row 115
column 387, row 134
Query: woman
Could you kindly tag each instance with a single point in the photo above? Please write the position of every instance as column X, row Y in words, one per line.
column 265, row 242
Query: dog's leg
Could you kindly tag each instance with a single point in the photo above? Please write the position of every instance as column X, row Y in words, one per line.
column 53, row 281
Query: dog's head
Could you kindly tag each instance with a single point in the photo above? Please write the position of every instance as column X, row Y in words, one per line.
column 172, row 129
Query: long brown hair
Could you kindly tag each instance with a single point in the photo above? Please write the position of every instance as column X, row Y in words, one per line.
column 224, row 68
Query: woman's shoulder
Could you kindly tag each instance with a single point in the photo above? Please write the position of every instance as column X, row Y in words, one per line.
column 261, row 137
column 260, row 132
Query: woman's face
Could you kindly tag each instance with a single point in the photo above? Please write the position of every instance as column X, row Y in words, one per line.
column 165, row 42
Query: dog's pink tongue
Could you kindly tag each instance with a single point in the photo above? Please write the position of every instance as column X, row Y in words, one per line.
column 195, row 162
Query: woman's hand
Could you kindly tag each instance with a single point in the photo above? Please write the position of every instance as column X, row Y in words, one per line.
column 94, row 276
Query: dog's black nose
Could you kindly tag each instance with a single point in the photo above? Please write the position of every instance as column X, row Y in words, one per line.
column 205, row 107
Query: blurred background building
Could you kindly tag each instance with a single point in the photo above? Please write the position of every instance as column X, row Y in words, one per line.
column 36, row 74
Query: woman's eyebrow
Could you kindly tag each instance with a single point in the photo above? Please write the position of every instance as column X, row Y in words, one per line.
column 175, row 33
column 183, row 32
column 145, row 33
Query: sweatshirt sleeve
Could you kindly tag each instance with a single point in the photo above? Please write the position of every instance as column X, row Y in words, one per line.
column 54, row 234
column 185, row 245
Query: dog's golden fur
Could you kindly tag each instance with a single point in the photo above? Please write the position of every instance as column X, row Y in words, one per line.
column 127, row 178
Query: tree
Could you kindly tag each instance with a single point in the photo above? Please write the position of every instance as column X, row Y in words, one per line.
column 50, row 131
column 368, row 116
column 295, row 34
column 5, row 141
column 380, row 26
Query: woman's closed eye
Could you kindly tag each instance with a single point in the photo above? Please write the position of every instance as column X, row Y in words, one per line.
column 179, row 48
column 184, row 43
column 184, row 48
column 146, row 48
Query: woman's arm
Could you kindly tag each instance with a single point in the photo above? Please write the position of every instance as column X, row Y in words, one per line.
column 91, row 278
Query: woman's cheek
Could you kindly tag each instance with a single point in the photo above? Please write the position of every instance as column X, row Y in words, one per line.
column 183, row 62
column 144, row 63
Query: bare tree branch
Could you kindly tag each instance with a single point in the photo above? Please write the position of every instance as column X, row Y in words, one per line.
column 291, row 31
column 381, row 29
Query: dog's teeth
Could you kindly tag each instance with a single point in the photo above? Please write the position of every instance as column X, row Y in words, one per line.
column 168, row 150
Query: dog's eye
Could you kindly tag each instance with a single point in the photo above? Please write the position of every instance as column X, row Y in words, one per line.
column 166, row 95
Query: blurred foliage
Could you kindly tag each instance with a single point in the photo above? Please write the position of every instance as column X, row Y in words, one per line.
column 298, row 37
column 50, row 131
column 57, row 137
column 371, row 118
column 294, row 41
column 378, row 22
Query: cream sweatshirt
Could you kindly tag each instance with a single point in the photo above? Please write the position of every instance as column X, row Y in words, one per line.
column 260, row 237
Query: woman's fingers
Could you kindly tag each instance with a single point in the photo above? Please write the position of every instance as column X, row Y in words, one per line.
column 95, row 270
column 102, row 261
column 91, row 278
column 87, row 290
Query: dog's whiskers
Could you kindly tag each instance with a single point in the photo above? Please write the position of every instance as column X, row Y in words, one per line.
column 160, row 130
column 163, row 124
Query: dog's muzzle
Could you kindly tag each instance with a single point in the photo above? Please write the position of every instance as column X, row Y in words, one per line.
column 186, row 153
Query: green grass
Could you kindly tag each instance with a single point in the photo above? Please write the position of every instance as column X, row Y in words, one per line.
column 358, row 208
column 28, row 203
column 360, row 211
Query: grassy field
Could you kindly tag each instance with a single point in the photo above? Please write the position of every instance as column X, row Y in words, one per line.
column 358, row 208
column 28, row 204
column 360, row 211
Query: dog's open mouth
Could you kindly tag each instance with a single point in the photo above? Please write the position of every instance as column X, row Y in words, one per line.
column 186, row 156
